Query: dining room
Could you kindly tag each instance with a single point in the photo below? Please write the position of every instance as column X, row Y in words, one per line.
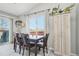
column 39, row 29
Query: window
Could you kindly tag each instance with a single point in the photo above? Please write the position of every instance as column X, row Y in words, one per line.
column 4, row 29
column 41, row 22
column 4, row 23
column 37, row 25
column 32, row 24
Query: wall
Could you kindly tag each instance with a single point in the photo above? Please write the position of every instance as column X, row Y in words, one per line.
column 23, row 30
column 73, row 23
column 77, row 30
column 25, row 20
column 73, row 31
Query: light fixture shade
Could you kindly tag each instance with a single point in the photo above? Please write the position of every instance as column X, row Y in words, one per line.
column 18, row 23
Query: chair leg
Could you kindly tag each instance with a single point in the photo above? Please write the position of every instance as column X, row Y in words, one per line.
column 19, row 49
column 23, row 50
column 43, row 51
column 15, row 47
column 35, row 49
column 29, row 50
column 39, row 48
column 46, row 49
column 26, row 48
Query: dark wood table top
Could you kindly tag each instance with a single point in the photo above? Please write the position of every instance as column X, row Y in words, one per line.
column 35, row 40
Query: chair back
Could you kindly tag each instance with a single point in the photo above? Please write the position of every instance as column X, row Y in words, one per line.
column 19, row 37
column 25, row 38
column 47, row 35
column 45, row 39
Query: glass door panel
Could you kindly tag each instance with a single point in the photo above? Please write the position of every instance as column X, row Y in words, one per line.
column 4, row 29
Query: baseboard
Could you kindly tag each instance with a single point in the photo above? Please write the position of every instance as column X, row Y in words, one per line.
column 58, row 54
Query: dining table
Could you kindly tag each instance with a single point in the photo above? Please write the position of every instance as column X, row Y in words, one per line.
column 35, row 41
column 31, row 40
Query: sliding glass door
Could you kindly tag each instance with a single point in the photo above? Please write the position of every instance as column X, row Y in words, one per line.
column 4, row 29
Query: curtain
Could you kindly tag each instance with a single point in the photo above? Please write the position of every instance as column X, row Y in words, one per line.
column 27, row 24
column 47, row 21
column 36, row 24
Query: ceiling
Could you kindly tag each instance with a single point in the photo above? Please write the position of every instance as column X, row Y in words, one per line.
column 16, row 8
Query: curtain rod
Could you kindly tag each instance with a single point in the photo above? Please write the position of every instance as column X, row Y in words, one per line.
column 36, row 12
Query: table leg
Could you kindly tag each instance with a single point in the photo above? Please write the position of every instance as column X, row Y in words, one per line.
column 29, row 49
column 35, row 49
column 15, row 46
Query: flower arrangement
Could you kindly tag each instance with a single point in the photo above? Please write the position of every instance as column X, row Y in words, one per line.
column 59, row 11
column 68, row 9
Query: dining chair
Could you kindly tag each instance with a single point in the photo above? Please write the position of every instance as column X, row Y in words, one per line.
column 26, row 43
column 47, row 35
column 43, row 44
column 18, row 41
column 15, row 41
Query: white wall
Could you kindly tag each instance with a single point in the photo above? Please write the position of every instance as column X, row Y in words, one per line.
column 73, row 31
column 77, row 30
column 23, row 18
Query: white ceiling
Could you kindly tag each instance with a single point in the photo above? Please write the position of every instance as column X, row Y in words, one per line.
column 16, row 8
